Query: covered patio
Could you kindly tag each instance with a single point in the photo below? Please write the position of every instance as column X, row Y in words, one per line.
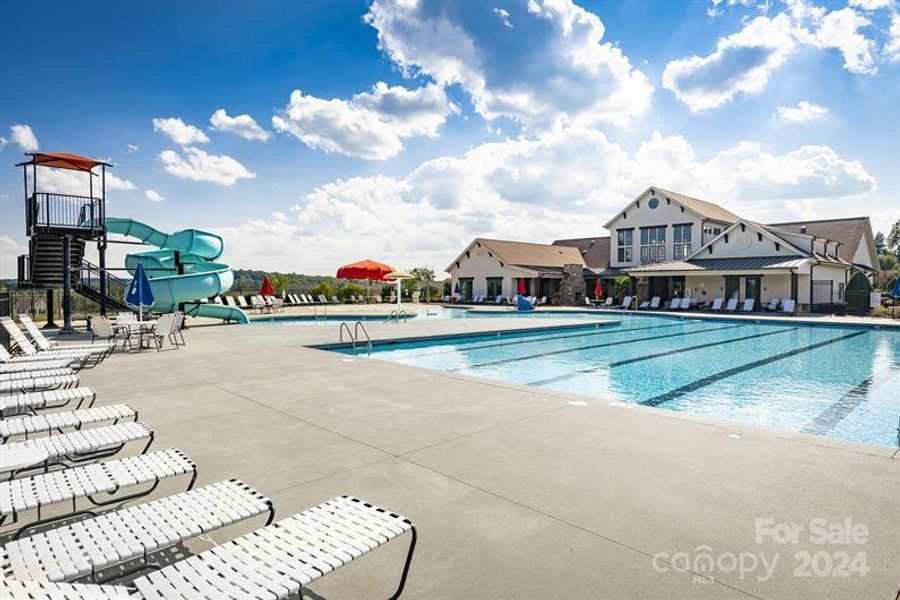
column 760, row 278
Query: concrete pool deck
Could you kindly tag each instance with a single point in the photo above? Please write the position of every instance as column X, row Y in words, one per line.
column 516, row 492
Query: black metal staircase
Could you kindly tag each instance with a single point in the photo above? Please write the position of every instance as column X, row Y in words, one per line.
column 88, row 285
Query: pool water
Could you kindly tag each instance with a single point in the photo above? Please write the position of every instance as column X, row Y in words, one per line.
column 838, row 382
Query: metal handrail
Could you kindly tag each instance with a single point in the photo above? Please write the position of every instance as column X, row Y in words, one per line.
column 354, row 335
column 89, row 276
column 396, row 315
column 67, row 211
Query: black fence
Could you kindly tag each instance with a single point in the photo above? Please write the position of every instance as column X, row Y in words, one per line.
column 46, row 211
column 34, row 304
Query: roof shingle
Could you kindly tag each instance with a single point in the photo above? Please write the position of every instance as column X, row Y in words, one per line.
column 594, row 250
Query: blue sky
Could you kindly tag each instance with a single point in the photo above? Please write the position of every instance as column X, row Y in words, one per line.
column 316, row 133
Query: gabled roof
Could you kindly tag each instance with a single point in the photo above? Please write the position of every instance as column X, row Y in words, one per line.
column 525, row 254
column 594, row 250
column 848, row 232
column 701, row 208
column 707, row 209
column 761, row 229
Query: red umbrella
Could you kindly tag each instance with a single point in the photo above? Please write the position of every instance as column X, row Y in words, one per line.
column 598, row 289
column 266, row 288
column 365, row 269
column 521, row 286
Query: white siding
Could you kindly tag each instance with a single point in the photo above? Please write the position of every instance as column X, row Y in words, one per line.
column 666, row 213
column 479, row 266
column 742, row 244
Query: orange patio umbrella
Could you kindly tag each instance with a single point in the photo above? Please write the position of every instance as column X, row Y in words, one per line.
column 370, row 270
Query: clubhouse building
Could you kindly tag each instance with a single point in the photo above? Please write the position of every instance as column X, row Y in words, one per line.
column 671, row 245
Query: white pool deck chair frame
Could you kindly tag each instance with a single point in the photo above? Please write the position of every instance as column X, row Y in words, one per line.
column 85, row 548
column 36, row 383
column 98, row 483
column 717, row 304
column 276, row 561
column 29, row 402
column 58, row 422
column 85, row 358
column 748, row 305
column 732, row 305
column 44, row 344
column 85, row 445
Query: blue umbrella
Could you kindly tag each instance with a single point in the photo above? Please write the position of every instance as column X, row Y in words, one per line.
column 896, row 292
column 456, row 290
column 139, row 292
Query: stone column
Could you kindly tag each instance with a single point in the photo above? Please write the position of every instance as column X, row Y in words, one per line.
column 571, row 287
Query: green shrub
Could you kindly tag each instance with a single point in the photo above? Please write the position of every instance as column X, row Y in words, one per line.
column 859, row 283
column 350, row 289
column 324, row 287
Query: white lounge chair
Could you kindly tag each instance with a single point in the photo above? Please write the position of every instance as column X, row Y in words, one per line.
column 38, row 384
column 86, row 547
column 626, row 302
column 35, row 365
column 59, row 421
column 717, row 304
column 229, row 300
column 43, row 343
column 19, row 375
column 788, row 306
column 81, row 359
column 731, row 306
column 276, row 561
column 100, row 483
column 644, row 305
column 242, row 302
column 748, row 305
column 773, row 304
column 88, row 444
column 17, row 404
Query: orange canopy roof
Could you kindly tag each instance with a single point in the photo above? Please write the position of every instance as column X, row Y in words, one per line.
column 63, row 160
column 365, row 269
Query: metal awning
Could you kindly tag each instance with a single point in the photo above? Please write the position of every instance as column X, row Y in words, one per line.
column 701, row 265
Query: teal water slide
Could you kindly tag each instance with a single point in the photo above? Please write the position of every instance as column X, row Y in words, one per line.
column 200, row 277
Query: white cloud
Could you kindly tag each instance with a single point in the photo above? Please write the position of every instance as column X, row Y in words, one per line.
column 180, row 132
column 871, row 5
column 553, row 68
column 742, row 64
column 24, row 137
column 242, row 125
column 371, row 125
column 840, row 30
column 9, row 250
column 131, row 148
column 562, row 184
column 504, row 16
column 802, row 113
column 197, row 165
column 65, row 181
column 153, row 195
column 892, row 47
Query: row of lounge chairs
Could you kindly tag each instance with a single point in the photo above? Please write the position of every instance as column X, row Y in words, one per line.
column 65, row 533
column 780, row 305
column 498, row 300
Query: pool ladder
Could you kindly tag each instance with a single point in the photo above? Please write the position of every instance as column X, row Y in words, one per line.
column 396, row 315
column 354, row 336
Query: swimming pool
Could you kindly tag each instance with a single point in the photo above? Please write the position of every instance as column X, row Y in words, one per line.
column 836, row 381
